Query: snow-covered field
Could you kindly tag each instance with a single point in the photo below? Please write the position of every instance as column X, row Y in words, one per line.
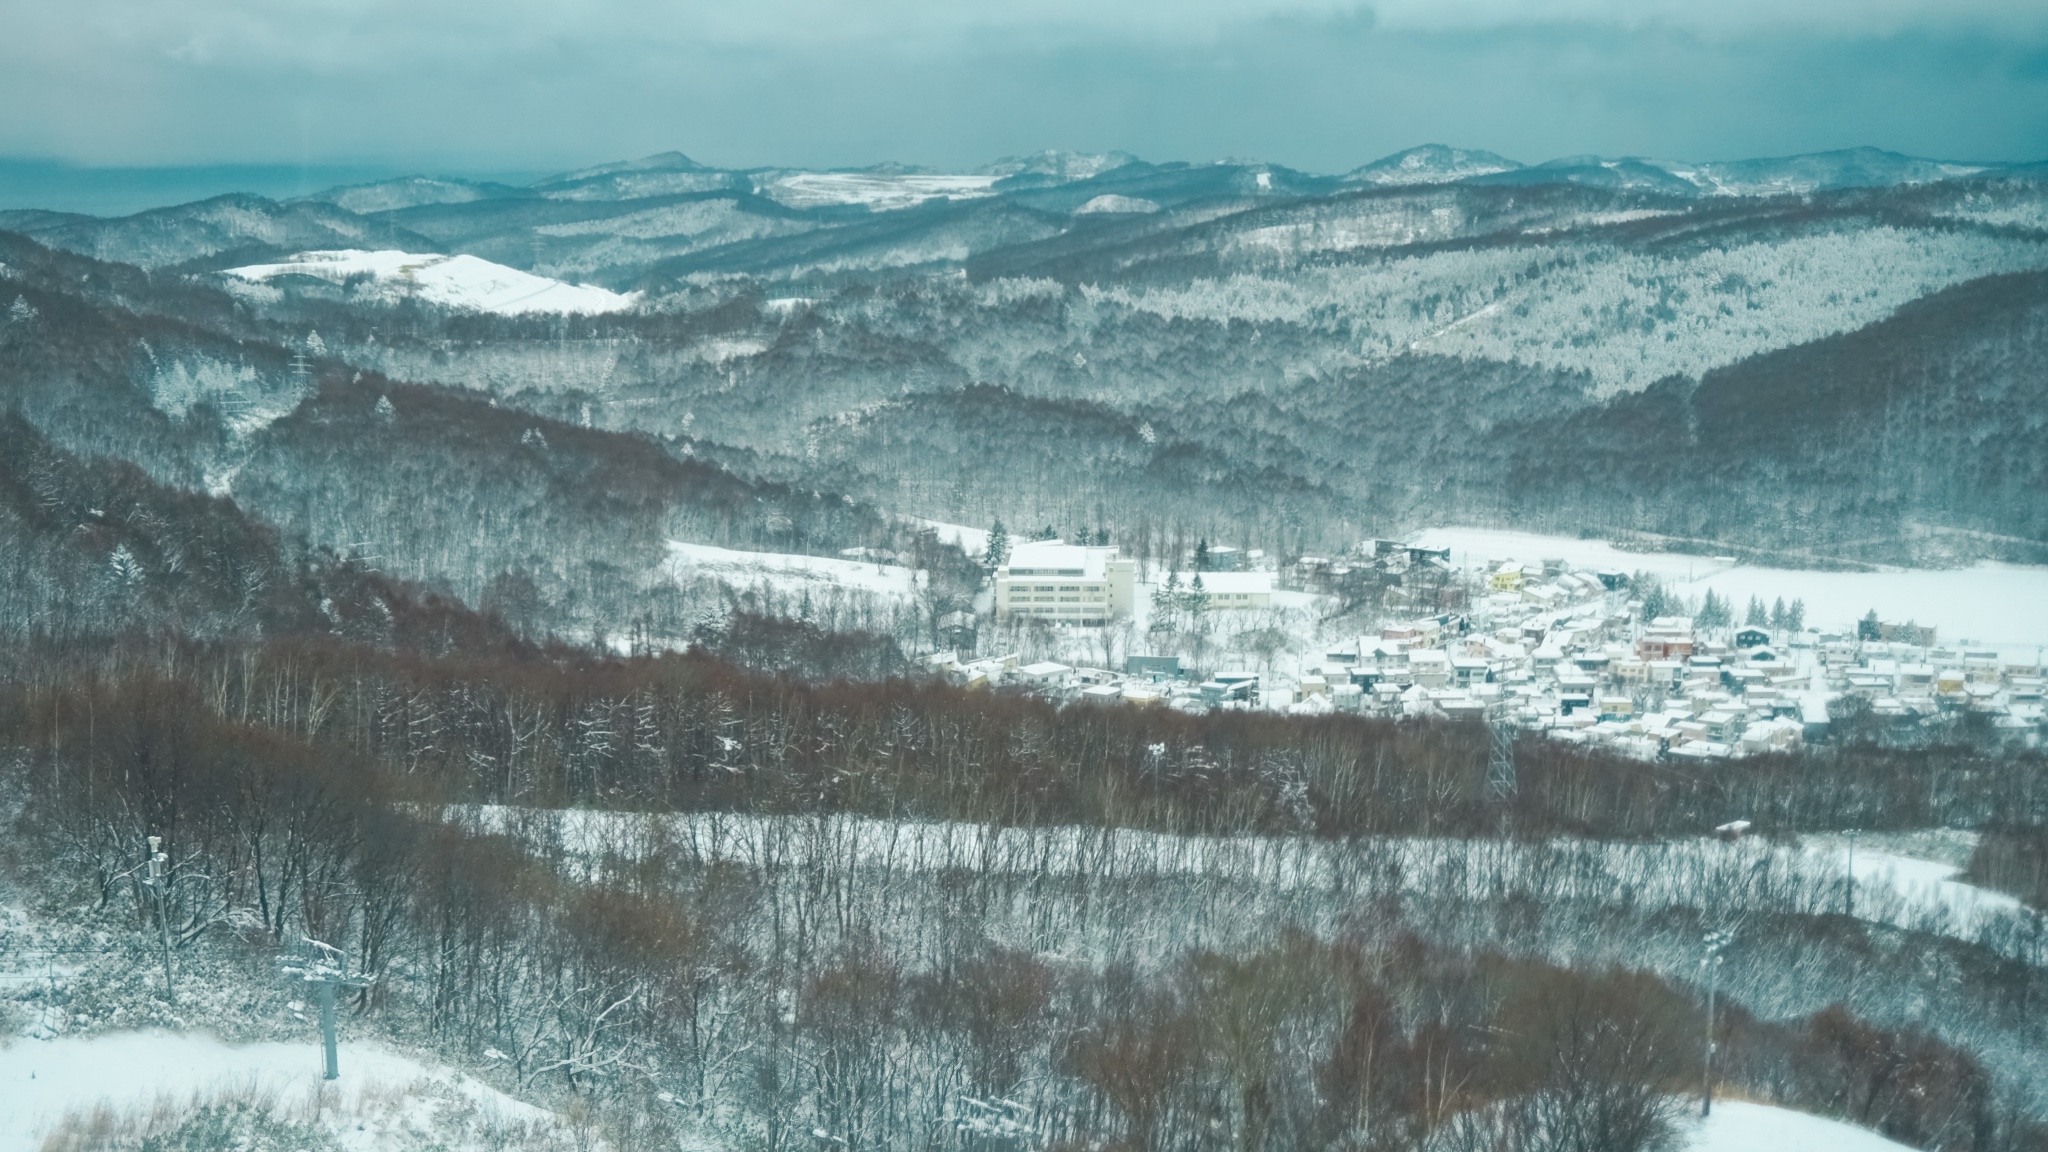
column 451, row 281
column 388, row 1101
column 880, row 191
column 384, row 1100
column 1921, row 883
column 1908, row 893
column 973, row 541
column 1999, row 605
column 1740, row 1126
column 788, row 573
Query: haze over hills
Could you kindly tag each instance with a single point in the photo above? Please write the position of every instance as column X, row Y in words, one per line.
column 1235, row 348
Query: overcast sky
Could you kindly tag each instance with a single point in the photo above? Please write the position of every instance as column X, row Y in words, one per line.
column 531, row 85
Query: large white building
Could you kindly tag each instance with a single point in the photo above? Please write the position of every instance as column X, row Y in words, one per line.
column 1064, row 583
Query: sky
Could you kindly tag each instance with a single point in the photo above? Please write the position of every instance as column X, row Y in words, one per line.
column 303, row 89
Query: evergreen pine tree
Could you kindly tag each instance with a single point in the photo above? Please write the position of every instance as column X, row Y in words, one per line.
column 1201, row 556
column 1778, row 614
column 997, row 553
column 125, row 567
column 1653, row 597
column 1755, row 617
column 1196, row 603
column 1795, row 616
column 1166, row 603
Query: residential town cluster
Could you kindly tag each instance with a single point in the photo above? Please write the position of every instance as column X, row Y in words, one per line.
column 1584, row 656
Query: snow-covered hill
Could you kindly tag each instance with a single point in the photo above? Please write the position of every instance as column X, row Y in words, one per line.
column 1740, row 1126
column 1431, row 164
column 877, row 191
column 788, row 573
column 463, row 282
column 148, row 1083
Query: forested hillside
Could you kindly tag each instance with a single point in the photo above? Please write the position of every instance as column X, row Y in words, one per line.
column 562, row 674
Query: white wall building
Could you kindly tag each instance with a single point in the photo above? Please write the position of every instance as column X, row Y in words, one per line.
column 1065, row 583
column 1231, row 590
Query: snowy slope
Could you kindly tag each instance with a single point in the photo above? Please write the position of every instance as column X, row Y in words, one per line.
column 389, row 1095
column 1430, row 164
column 1923, row 883
column 1916, row 895
column 1739, row 1126
column 787, row 572
column 973, row 541
column 464, row 282
column 879, row 191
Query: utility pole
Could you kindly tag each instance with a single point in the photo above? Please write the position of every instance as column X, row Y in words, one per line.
column 326, row 973
column 1853, row 833
column 158, row 879
column 1715, row 942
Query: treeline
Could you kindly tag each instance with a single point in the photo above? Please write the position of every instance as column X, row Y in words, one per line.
column 689, row 731
column 945, row 1008
column 2012, row 856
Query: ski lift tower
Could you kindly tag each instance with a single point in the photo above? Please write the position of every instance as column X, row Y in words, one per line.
column 325, row 972
column 1500, row 761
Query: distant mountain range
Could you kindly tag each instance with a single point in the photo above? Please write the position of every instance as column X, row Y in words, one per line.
column 1837, row 356
column 664, row 215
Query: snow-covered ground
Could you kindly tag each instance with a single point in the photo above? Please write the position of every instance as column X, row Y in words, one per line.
column 451, row 281
column 1740, row 1126
column 880, row 191
column 973, row 541
column 383, row 1100
column 1922, row 883
column 1890, row 889
column 1996, row 605
column 788, row 573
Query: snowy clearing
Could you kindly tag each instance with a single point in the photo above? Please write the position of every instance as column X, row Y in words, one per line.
column 1911, row 894
column 1740, row 1126
column 973, row 541
column 881, row 192
column 789, row 573
column 451, row 281
column 1991, row 604
column 1923, row 883
column 384, row 1096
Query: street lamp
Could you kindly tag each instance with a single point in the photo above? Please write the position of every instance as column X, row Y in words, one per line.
column 1853, row 833
column 158, row 879
column 1716, row 943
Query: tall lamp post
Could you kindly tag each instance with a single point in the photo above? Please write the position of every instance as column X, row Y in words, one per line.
column 158, row 881
column 1716, row 943
column 1852, row 833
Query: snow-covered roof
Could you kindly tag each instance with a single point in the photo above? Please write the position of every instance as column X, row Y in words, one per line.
column 1055, row 558
column 1237, row 583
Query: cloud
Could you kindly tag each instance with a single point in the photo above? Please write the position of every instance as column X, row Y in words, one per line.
column 1321, row 84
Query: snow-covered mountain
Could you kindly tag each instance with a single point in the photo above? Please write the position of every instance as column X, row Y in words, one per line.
column 1819, row 171
column 1056, row 165
column 460, row 282
column 412, row 192
column 1430, row 164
